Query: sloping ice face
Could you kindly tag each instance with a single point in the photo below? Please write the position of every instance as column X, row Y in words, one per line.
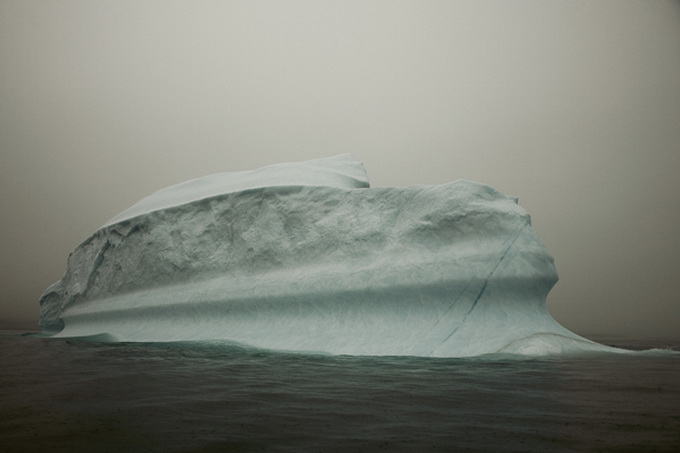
column 305, row 257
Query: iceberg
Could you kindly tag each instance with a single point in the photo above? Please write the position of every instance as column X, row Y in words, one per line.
column 306, row 257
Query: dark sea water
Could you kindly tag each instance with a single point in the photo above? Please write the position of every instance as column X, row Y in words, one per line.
column 71, row 396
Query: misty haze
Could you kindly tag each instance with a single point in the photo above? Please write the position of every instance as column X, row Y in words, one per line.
column 570, row 107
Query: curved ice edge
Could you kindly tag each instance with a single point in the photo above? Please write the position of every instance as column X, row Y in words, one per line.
column 121, row 220
column 340, row 171
column 543, row 344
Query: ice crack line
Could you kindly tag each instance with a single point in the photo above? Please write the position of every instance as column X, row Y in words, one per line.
column 506, row 250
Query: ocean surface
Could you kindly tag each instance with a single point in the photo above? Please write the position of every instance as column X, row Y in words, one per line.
column 61, row 395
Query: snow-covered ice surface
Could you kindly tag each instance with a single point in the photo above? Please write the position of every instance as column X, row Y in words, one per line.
column 305, row 257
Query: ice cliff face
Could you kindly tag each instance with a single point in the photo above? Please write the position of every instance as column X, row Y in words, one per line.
column 277, row 259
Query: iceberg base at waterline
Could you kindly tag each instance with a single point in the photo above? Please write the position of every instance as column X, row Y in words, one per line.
column 276, row 259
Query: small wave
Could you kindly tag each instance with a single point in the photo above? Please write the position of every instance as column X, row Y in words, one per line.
column 659, row 352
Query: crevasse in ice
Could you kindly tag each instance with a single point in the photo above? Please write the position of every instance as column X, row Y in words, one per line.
column 306, row 257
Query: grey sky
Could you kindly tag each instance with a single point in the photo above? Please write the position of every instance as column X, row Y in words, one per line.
column 572, row 106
